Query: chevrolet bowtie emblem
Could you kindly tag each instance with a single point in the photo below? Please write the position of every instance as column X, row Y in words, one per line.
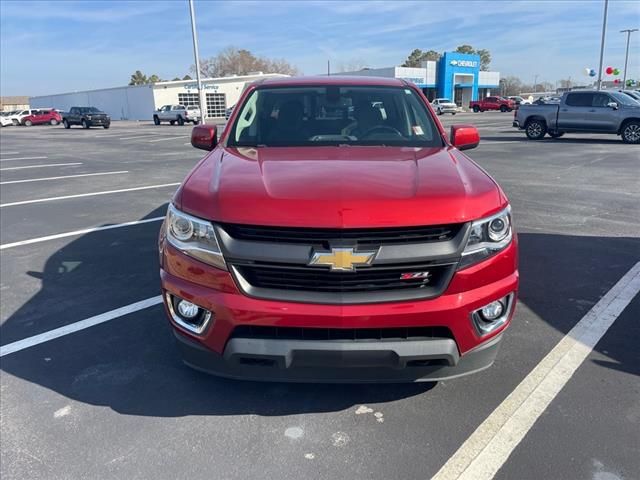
column 342, row 259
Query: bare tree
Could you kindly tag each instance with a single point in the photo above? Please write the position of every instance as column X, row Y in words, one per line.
column 234, row 61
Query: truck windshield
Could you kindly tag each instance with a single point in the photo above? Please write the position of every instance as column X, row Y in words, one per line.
column 334, row 115
column 88, row 110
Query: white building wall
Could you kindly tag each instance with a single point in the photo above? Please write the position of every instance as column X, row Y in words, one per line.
column 411, row 74
column 123, row 103
column 137, row 102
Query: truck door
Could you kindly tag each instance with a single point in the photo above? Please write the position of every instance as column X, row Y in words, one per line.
column 574, row 112
column 601, row 116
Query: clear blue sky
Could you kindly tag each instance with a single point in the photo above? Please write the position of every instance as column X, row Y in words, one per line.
column 60, row 46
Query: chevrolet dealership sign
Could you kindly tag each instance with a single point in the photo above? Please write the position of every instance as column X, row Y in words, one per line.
column 464, row 63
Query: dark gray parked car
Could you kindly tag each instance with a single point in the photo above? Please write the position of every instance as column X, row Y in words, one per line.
column 582, row 111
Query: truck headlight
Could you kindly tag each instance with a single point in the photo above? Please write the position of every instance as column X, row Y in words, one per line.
column 194, row 237
column 487, row 237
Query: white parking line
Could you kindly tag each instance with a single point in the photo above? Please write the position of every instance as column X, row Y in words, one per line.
column 21, row 158
column 167, row 138
column 488, row 448
column 44, row 179
column 131, row 138
column 40, row 166
column 107, row 192
column 77, row 326
column 78, row 232
column 9, row 153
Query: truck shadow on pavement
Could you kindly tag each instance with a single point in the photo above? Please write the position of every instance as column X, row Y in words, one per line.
column 131, row 364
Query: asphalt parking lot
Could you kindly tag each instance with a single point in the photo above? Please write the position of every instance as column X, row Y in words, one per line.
column 113, row 400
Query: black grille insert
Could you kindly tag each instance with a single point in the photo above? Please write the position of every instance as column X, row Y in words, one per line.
column 353, row 334
column 336, row 236
column 316, row 279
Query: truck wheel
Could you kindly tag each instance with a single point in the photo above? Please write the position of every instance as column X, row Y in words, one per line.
column 476, row 109
column 106, row 126
column 180, row 121
column 555, row 134
column 535, row 129
column 631, row 132
column 504, row 108
column 28, row 123
column 172, row 122
column 439, row 112
column 156, row 120
column 453, row 113
column 85, row 124
column 66, row 124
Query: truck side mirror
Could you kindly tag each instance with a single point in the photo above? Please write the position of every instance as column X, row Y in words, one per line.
column 613, row 105
column 464, row 137
column 204, row 137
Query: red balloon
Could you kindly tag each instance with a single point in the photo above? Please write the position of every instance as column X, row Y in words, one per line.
column 609, row 70
column 617, row 80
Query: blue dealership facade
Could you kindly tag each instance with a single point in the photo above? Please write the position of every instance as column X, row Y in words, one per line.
column 456, row 76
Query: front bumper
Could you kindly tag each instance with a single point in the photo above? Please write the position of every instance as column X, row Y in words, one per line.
column 99, row 122
column 220, row 350
column 337, row 361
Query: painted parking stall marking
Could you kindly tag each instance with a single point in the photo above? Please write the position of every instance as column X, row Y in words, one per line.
column 22, row 158
column 40, row 166
column 488, row 448
column 80, row 195
column 64, row 177
column 75, row 233
column 77, row 326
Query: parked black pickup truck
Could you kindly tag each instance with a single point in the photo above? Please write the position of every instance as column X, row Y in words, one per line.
column 87, row 117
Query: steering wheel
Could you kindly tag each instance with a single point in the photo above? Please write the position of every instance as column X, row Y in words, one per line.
column 382, row 128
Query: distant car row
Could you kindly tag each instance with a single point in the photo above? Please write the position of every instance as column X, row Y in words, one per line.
column 86, row 117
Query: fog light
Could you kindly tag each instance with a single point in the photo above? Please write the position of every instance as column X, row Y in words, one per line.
column 189, row 310
column 493, row 315
column 492, row 311
column 187, row 315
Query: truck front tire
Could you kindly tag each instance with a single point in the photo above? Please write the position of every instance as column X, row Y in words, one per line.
column 156, row 120
column 66, row 124
column 504, row 108
column 85, row 124
column 476, row 109
column 180, row 120
column 630, row 132
column 536, row 129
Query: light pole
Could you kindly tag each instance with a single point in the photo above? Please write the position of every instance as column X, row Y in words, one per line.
column 604, row 31
column 628, row 31
column 196, row 55
column 535, row 83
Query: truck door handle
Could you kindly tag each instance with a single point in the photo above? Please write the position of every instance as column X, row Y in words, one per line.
column 565, row 109
column 592, row 110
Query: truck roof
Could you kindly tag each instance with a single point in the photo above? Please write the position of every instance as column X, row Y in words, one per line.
column 333, row 80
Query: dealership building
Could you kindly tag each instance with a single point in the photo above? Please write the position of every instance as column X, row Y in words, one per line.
column 456, row 76
column 137, row 102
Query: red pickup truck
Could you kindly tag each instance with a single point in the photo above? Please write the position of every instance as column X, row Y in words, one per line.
column 493, row 103
column 336, row 233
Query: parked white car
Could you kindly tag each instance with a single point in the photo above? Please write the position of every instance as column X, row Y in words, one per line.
column 444, row 105
column 177, row 114
column 18, row 115
column 5, row 121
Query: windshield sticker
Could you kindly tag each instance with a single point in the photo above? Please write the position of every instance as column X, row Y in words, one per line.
column 417, row 129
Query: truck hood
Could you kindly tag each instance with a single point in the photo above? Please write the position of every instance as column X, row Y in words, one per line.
column 339, row 187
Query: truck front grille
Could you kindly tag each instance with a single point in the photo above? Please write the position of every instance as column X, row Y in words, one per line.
column 361, row 236
column 314, row 279
column 273, row 262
